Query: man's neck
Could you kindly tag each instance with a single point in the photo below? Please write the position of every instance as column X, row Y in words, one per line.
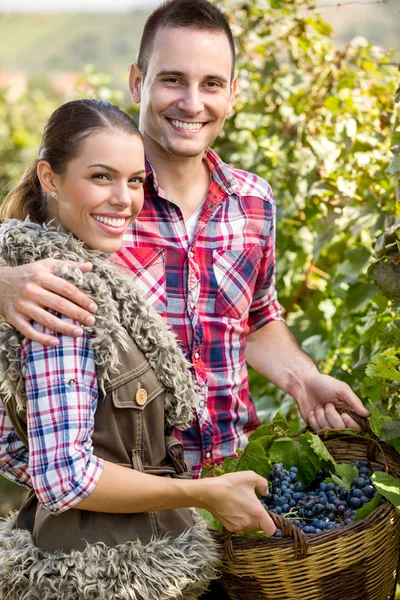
column 184, row 179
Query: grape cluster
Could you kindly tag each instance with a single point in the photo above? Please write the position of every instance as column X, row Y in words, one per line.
column 322, row 506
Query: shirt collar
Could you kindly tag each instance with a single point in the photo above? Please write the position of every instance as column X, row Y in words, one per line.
column 220, row 172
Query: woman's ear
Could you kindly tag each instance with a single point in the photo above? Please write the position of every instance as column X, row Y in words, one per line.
column 46, row 178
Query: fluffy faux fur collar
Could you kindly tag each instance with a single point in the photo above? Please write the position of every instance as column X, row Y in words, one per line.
column 120, row 308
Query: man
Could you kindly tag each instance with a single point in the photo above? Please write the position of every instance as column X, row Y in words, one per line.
column 202, row 248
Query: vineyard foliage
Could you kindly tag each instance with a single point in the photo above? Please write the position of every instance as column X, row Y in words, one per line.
column 322, row 125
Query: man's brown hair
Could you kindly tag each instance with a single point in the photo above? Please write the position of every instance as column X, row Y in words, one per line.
column 194, row 14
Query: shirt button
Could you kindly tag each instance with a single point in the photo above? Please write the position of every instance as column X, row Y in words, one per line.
column 208, row 454
column 171, row 204
column 192, row 305
column 228, row 184
column 211, row 206
column 201, row 403
column 196, row 355
column 191, row 254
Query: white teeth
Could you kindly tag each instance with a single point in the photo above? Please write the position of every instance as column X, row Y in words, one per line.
column 113, row 222
column 189, row 126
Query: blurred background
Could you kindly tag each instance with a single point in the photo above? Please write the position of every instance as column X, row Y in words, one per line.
column 316, row 116
column 49, row 43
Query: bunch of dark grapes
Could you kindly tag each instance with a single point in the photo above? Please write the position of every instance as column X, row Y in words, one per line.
column 322, row 506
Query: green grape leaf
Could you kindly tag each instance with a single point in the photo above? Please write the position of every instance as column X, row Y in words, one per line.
column 252, row 458
column 368, row 507
column 216, row 471
column 265, row 435
column 377, row 419
column 280, row 421
column 319, row 448
column 386, row 364
column 388, row 486
column 345, row 475
column 296, row 454
column 390, row 430
column 386, row 274
column 394, row 444
column 212, row 522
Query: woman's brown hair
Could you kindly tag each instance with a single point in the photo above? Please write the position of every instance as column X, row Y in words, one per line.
column 61, row 142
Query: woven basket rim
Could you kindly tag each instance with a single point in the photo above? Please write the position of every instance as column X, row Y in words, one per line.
column 385, row 510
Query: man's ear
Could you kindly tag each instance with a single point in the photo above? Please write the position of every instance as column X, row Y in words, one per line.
column 135, row 83
column 234, row 86
column 46, row 177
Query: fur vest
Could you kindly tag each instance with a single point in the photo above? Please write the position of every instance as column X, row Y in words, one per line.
column 164, row 568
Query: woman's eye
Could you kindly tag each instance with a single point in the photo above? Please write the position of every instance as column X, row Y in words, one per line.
column 139, row 180
column 103, row 176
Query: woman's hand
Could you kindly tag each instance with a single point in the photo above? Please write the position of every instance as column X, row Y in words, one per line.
column 29, row 290
column 232, row 500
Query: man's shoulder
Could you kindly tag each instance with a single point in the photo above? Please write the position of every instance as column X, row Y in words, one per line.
column 242, row 182
column 250, row 184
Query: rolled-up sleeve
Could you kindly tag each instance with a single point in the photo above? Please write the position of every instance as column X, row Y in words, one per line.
column 62, row 394
column 14, row 456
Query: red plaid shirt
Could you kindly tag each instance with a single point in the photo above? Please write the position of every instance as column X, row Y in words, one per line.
column 212, row 292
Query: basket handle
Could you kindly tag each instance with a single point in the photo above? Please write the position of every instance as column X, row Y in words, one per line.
column 361, row 421
column 300, row 540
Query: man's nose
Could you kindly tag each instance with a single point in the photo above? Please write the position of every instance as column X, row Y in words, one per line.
column 191, row 101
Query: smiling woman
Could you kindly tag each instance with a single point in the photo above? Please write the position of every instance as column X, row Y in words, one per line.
column 86, row 424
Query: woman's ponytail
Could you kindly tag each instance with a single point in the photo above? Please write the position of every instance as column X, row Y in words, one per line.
column 26, row 199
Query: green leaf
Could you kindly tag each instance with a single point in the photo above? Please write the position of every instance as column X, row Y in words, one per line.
column 280, row 421
column 368, row 508
column 296, row 454
column 319, row 448
column 388, row 486
column 212, row 522
column 345, row 475
column 386, row 273
column 377, row 419
column 390, row 430
column 359, row 295
column 386, row 365
column 252, row 458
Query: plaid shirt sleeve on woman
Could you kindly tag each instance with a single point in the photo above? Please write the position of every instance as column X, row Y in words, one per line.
column 13, row 453
column 61, row 397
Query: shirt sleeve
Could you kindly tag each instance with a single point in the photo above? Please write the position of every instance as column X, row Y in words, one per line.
column 265, row 306
column 13, row 454
column 62, row 393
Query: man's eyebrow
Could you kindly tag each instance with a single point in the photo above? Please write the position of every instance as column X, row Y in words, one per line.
column 165, row 72
column 102, row 166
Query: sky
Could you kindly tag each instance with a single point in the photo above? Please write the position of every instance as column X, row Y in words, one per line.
column 75, row 5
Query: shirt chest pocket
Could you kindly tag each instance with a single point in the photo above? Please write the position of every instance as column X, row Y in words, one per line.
column 236, row 273
column 147, row 267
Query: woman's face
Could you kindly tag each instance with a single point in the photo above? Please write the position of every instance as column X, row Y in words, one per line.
column 101, row 191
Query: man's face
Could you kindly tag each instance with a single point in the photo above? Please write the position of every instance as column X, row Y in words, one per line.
column 187, row 91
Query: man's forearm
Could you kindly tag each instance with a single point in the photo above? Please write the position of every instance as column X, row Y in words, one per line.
column 274, row 352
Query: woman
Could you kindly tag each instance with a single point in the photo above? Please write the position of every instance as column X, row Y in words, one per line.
column 90, row 420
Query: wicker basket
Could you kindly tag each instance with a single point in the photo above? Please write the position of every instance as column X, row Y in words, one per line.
column 359, row 561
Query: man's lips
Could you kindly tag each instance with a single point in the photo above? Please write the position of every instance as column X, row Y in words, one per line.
column 186, row 126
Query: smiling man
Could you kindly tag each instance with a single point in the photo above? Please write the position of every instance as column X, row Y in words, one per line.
column 202, row 248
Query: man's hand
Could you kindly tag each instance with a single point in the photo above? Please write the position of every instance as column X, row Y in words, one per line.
column 321, row 396
column 232, row 500
column 29, row 290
